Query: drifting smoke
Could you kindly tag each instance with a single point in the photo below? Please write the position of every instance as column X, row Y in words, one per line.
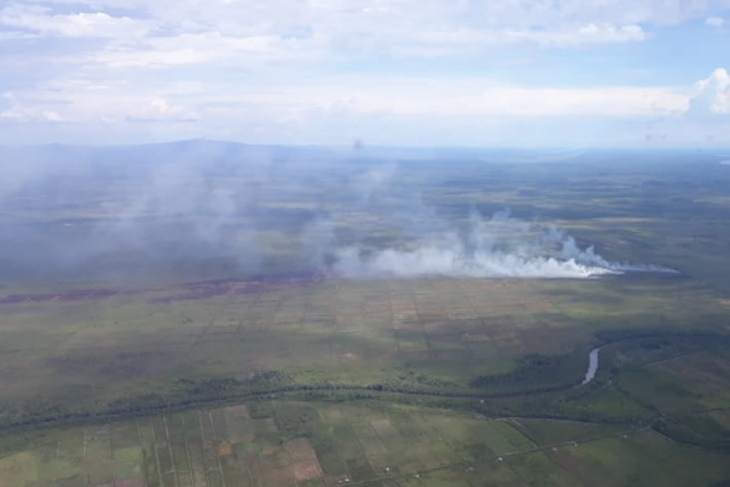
column 500, row 247
column 195, row 208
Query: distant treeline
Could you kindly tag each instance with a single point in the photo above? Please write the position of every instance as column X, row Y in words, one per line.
column 265, row 385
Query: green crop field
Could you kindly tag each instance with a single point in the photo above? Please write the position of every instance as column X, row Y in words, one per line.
column 317, row 444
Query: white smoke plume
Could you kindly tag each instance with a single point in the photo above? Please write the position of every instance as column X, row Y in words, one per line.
column 499, row 247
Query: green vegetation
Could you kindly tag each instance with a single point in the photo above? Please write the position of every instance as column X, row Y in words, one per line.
column 272, row 376
column 310, row 443
column 536, row 369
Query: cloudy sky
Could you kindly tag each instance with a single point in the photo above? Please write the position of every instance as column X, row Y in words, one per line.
column 528, row 73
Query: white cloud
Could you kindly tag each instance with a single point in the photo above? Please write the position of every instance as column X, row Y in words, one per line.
column 82, row 24
column 20, row 112
column 80, row 102
column 518, row 14
column 212, row 47
column 350, row 19
column 275, row 105
column 588, row 34
column 172, row 34
column 11, row 114
column 712, row 95
column 205, row 48
column 715, row 21
column 398, row 26
column 52, row 116
column 323, row 108
column 452, row 42
column 245, row 68
column 461, row 97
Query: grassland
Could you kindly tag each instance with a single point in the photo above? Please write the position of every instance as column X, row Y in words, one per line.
column 428, row 335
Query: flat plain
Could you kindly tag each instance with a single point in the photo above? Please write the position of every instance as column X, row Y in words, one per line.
column 185, row 348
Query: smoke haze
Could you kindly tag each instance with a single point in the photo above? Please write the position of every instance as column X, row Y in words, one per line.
column 499, row 247
column 201, row 209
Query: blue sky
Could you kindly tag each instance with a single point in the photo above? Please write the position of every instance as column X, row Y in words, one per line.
column 525, row 73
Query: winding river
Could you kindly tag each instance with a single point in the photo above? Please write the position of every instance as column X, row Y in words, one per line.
column 592, row 366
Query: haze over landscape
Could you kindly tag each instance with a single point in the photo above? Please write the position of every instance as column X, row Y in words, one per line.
column 387, row 243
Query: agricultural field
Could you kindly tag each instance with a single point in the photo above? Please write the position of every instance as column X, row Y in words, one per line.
column 433, row 334
column 378, row 321
column 310, row 444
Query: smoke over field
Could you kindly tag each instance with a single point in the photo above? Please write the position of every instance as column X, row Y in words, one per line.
column 201, row 210
column 497, row 247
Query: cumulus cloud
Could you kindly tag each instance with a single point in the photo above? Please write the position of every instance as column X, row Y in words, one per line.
column 15, row 110
column 403, row 26
column 711, row 95
column 193, row 32
column 277, row 67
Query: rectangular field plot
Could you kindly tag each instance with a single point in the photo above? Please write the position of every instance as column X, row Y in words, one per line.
column 640, row 459
column 261, row 444
column 296, row 444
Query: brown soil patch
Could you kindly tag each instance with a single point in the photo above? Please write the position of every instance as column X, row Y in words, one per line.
column 308, row 470
column 224, row 449
column 278, row 476
column 269, row 450
column 335, row 479
column 300, row 450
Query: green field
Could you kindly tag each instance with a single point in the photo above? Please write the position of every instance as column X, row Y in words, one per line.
column 314, row 444
column 430, row 335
